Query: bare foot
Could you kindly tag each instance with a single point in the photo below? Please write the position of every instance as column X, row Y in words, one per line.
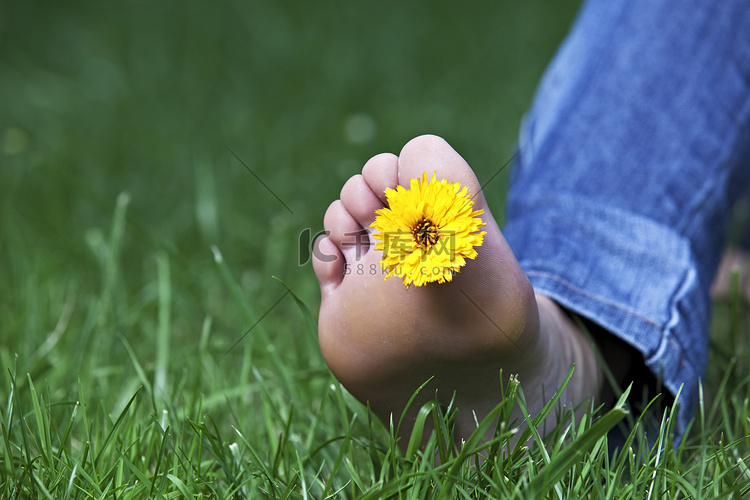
column 383, row 341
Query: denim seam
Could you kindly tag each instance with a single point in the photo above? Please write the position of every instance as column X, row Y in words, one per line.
column 579, row 291
column 668, row 342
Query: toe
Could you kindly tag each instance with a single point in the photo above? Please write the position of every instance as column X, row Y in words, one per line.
column 430, row 153
column 360, row 201
column 328, row 264
column 345, row 232
column 381, row 172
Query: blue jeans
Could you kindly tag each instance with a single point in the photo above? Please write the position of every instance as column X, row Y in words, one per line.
column 635, row 147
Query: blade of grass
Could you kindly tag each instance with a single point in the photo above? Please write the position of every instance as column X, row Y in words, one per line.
column 63, row 439
column 22, row 419
column 140, row 372
column 164, row 327
column 254, row 319
column 114, row 429
column 259, row 463
column 415, row 440
column 309, row 318
column 540, row 445
column 180, row 486
column 159, row 457
column 283, row 439
column 71, row 482
column 42, row 425
column 42, row 487
column 137, row 472
column 560, row 464
column 546, row 409
column 409, row 403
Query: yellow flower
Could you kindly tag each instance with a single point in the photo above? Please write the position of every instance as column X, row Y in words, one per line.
column 427, row 231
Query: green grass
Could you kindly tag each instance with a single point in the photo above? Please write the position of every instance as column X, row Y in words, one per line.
column 158, row 334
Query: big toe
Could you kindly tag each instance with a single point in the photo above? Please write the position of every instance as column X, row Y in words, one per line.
column 430, row 153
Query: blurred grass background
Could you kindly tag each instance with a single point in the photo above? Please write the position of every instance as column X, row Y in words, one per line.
column 119, row 126
column 148, row 98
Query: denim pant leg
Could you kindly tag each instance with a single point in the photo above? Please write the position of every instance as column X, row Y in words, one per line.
column 636, row 144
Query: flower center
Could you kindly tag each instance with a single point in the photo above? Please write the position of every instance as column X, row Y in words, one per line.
column 426, row 234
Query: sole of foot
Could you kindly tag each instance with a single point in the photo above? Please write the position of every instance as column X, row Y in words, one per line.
column 382, row 340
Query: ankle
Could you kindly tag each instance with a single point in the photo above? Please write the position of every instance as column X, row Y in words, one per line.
column 566, row 345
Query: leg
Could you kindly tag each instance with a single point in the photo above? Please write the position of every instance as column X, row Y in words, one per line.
column 637, row 143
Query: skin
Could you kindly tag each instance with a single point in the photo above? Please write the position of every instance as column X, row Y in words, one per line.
column 383, row 341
